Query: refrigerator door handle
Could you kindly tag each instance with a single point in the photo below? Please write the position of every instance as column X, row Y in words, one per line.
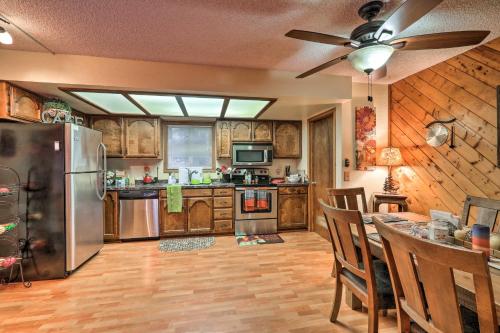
column 101, row 153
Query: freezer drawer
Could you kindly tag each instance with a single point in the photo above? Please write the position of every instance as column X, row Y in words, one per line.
column 139, row 218
column 84, row 219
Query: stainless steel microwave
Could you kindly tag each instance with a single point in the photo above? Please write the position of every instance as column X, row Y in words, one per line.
column 250, row 154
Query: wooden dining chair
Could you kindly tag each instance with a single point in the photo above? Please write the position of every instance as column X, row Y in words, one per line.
column 422, row 277
column 347, row 198
column 366, row 278
column 487, row 212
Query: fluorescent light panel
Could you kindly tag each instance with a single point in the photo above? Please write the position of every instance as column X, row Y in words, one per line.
column 111, row 102
column 244, row 108
column 159, row 105
column 203, row 106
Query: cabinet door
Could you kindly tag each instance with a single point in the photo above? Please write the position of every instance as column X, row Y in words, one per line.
column 111, row 229
column 112, row 134
column 172, row 223
column 223, row 139
column 141, row 137
column 199, row 211
column 241, row 131
column 24, row 105
column 262, row 131
column 292, row 211
column 287, row 139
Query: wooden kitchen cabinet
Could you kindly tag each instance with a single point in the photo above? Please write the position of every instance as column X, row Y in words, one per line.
column 172, row 223
column 19, row 104
column 112, row 134
column 292, row 208
column 142, row 137
column 223, row 139
column 262, row 131
column 241, row 131
column 199, row 215
column 111, row 227
column 287, row 139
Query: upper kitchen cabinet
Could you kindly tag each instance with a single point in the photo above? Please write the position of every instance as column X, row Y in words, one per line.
column 287, row 139
column 142, row 137
column 262, row 131
column 19, row 104
column 112, row 134
column 223, row 139
column 241, row 131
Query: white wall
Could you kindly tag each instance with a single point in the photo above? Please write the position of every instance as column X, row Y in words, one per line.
column 372, row 181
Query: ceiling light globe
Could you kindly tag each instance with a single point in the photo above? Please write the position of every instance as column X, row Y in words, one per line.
column 5, row 37
column 370, row 57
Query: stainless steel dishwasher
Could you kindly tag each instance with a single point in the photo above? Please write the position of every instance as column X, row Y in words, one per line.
column 138, row 214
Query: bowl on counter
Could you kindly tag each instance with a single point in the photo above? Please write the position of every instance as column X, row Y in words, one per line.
column 293, row 179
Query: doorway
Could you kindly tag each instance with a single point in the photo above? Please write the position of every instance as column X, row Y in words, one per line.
column 321, row 166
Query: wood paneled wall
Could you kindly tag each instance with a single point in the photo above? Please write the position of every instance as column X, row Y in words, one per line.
column 463, row 87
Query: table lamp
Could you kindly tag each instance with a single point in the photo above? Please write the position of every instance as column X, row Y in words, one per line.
column 390, row 157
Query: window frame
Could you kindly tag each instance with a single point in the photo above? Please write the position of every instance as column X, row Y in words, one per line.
column 164, row 142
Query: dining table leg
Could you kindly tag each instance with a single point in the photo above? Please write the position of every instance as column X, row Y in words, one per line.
column 352, row 301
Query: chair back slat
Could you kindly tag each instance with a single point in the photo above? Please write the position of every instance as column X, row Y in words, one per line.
column 340, row 223
column 347, row 198
column 488, row 210
column 424, row 284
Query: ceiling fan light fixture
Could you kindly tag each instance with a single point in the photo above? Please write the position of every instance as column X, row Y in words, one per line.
column 370, row 58
column 5, row 37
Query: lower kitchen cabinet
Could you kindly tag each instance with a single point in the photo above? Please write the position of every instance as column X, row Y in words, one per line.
column 199, row 215
column 172, row 223
column 292, row 211
column 111, row 228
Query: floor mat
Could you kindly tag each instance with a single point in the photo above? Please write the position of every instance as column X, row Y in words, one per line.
column 259, row 240
column 186, row 244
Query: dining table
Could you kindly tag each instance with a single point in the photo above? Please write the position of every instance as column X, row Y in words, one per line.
column 464, row 282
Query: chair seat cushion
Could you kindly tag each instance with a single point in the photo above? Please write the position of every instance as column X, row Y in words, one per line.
column 469, row 320
column 382, row 279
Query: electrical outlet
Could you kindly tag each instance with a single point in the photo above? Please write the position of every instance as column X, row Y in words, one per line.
column 278, row 171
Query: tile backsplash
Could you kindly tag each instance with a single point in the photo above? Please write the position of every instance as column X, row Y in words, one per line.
column 134, row 168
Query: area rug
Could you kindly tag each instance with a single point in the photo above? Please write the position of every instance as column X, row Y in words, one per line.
column 258, row 240
column 186, row 244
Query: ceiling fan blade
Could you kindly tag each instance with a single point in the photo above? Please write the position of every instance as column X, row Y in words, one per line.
column 379, row 73
column 323, row 66
column 406, row 14
column 318, row 37
column 440, row 40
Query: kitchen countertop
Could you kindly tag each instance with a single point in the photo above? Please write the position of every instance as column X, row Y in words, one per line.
column 162, row 186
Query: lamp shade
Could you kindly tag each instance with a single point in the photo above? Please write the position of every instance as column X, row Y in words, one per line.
column 370, row 57
column 390, row 156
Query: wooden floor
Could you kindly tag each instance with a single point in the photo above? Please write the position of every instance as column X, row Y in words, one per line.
column 133, row 287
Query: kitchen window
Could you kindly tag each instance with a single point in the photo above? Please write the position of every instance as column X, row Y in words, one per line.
column 189, row 146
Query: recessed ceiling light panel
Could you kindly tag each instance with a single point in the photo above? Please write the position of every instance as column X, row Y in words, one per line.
column 203, row 106
column 159, row 105
column 111, row 102
column 245, row 108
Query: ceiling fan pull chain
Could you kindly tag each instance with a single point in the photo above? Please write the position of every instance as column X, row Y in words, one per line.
column 370, row 88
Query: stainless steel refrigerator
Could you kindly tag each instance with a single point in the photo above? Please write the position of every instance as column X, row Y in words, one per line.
column 63, row 171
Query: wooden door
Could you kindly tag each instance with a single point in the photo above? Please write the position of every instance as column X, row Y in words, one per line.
column 287, row 139
column 199, row 215
column 223, row 139
column 321, row 162
column 262, row 131
column 292, row 212
column 24, row 105
column 172, row 223
column 141, row 137
column 111, row 230
column 112, row 134
column 241, row 131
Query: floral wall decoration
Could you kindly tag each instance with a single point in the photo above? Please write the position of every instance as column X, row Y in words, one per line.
column 365, row 138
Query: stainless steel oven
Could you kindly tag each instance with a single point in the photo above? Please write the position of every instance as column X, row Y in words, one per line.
column 256, row 210
column 252, row 154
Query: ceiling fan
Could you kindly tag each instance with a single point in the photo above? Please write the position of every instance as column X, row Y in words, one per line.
column 375, row 41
